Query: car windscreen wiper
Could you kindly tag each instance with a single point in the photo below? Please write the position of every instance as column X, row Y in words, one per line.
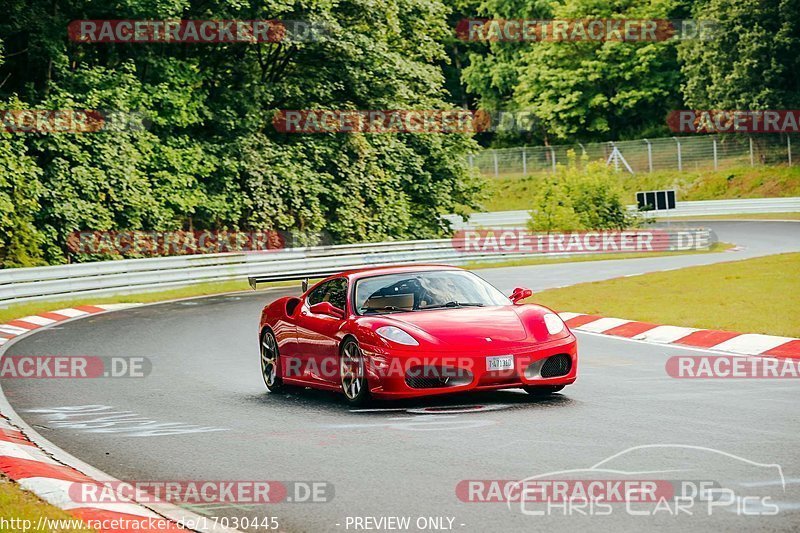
column 454, row 304
column 386, row 308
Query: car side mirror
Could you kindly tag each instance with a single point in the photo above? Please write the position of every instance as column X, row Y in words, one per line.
column 520, row 294
column 327, row 308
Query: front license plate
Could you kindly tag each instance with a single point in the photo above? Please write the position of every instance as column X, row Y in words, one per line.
column 500, row 362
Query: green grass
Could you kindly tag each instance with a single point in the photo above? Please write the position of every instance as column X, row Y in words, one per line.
column 16, row 503
column 515, row 192
column 751, row 296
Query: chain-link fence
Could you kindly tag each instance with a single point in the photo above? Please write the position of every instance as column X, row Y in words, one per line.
column 645, row 155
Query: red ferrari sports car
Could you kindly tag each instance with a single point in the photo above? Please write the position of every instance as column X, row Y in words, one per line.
column 407, row 331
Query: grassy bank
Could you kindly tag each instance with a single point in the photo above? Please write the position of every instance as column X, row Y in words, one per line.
column 16, row 503
column 752, row 296
column 515, row 192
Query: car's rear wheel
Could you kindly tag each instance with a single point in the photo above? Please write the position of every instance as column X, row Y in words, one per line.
column 269, row 362
column 541, row 392
column 351, row 371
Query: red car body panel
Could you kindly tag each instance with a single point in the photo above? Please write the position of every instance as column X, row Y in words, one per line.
column 455, row 339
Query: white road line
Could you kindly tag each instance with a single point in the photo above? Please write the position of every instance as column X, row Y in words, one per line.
column 114, row 307
column 752, row 343
column 38, row 320
column 71, row 313
column 24, row 451
column 603, row 324
column 13, row 330
column 664, row 334
column 57, row 492
column 650, row 343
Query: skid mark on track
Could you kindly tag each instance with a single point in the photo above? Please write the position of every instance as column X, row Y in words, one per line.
column 431, row 418
column 104, row 419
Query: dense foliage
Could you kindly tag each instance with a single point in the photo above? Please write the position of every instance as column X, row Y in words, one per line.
column 211, row 158
column 585, row 90
column 584, row 196
column 612, row 90
column 754, row 61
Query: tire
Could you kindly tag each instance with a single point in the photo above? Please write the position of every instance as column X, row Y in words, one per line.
column 269, row 362
column 543, row 392
column 352, row 378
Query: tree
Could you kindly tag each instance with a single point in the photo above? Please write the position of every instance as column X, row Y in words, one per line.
column 580, row 197
column 750, row 62
column 211, row 158
column 584, row 90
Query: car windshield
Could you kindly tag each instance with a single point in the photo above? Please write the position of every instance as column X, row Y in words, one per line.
column 418, row 291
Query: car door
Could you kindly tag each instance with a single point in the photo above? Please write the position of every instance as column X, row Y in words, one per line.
column 317, row 334
column 286, row 335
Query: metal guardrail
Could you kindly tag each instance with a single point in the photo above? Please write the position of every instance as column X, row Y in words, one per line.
column 139, row 275
column 502, row 219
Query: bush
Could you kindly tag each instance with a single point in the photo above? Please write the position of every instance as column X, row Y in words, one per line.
column 582, row 196
column 20, row 190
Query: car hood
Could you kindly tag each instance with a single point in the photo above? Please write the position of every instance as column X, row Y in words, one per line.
column 464, row 326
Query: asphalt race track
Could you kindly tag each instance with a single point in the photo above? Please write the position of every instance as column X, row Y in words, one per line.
column 406, row 459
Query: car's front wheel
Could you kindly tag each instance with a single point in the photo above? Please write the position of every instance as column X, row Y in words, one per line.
column 269, row 362
column 542, row 392
column 352, row 376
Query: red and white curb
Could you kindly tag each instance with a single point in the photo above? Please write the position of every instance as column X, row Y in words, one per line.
column 27, row 324
column 710, row 339
column 40, row 467
column 35, row 471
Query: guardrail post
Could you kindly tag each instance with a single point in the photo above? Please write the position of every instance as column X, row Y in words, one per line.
column 524, row 162
column 789, row 149
column 649, row 155
column 553, row 157
column 715, row 154
column 496, row 169
column 471, row 160
column 752, row 159
column 680, row 158
column 583, row 152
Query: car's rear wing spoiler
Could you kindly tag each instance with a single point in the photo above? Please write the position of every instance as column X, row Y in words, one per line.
column 303, row 276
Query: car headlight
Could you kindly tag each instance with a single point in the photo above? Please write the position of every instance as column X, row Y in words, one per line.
column 396, row 335
column 554, row 323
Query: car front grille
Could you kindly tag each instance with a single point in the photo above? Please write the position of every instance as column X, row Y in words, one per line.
column 433, row 377
column 557, row 365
